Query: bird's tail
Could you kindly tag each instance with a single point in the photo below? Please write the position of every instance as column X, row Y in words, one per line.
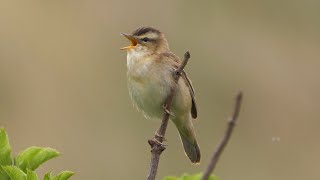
column 188, row 139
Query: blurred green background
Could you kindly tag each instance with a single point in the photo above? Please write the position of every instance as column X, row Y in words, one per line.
column 63, row 84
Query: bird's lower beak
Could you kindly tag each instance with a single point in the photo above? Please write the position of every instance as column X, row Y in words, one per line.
column 133, row 40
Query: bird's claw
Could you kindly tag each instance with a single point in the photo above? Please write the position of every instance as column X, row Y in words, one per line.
column 159, row 138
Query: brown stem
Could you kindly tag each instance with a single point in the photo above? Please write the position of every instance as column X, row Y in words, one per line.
column 225, row 139
column 156, row 143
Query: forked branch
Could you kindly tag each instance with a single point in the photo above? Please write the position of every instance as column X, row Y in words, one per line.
column 157, row 146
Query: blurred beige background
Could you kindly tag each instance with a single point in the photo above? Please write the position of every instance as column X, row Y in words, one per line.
column 63, row 84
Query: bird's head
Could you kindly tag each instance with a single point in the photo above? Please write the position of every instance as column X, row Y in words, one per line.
column 146, row 40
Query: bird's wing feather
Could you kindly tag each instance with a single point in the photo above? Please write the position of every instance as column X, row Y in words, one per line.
column 194, row 113
column 187, row 81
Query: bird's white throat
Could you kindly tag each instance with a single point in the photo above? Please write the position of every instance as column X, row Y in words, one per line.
column 137, row 62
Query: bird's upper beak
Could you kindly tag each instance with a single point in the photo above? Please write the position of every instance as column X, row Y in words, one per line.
column 133, row 40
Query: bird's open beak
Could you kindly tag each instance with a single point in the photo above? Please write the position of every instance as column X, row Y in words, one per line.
column 133, row 40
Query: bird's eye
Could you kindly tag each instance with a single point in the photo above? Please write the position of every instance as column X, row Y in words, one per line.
column 145, row 39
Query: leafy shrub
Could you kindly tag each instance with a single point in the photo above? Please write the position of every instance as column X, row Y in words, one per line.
column 23, row 166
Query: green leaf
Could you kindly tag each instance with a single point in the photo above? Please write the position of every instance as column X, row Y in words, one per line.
column 5, row 149
column 48, row 176
column 33, row 157
column 187, row 177
column 5, row 153
column 64, row 175
column 14, row 173
column 3, row 175
column 31, row 175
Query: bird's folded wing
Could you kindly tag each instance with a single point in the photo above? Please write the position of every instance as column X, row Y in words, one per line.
column 176, row 63
column 194, row 113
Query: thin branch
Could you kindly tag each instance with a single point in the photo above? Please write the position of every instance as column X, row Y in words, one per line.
column 225, row 139
column 156, row 143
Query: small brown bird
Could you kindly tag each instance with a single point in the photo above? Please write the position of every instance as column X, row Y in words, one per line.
column 150, row 64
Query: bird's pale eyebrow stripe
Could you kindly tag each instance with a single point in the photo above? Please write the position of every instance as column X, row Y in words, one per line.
column 150, row 35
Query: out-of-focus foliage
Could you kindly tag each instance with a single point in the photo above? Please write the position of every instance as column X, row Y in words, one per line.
column 33, row 157
column 26, row 162
column 61, row 176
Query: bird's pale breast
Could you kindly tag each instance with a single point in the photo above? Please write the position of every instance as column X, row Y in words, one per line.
column 147, row 84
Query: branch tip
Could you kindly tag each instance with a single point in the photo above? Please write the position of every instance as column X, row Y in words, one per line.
column 224, row 141
column 187, row 55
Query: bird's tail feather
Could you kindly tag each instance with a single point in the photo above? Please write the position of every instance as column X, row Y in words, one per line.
column 189, row 141
column 191, row 149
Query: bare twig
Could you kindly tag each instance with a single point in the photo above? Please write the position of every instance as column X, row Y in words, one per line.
column 156, row 143
column 225, row 139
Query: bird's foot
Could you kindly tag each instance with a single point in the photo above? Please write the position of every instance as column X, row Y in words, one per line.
column 159, row 138
column 165, row 109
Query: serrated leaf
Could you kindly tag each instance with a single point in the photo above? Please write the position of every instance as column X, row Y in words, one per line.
column 14, row 173
column 5, row 149
column 31, row 175
column 64, row 175
column 48, row 176
column 33, row 157
column 5, row 153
